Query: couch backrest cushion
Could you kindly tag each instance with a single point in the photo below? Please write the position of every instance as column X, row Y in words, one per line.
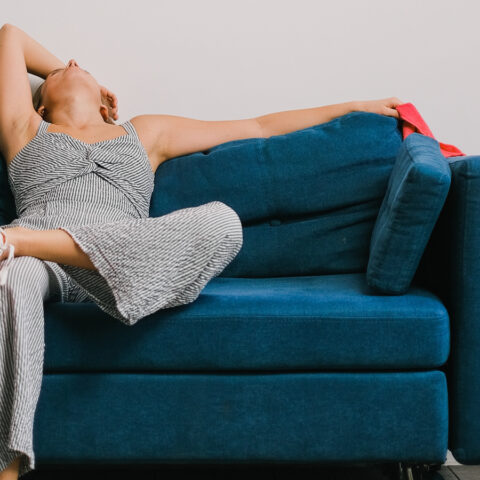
column 416, row 192
column 308, row 199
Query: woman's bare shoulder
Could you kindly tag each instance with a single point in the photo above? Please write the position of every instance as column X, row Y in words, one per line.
column 151, row 129
column 145, row 131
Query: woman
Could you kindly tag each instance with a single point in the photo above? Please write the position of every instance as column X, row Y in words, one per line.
column 82, row 187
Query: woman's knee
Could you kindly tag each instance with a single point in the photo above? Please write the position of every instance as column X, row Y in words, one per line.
column 25, row 274
column 227, row 223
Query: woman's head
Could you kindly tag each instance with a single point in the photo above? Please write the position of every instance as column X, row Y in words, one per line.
column 64, row 87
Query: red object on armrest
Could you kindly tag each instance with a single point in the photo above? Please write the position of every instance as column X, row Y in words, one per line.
column 414, row 123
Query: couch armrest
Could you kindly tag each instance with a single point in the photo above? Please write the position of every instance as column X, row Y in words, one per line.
column 452, row 266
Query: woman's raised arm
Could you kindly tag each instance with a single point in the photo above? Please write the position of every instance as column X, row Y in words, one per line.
column 19, row 54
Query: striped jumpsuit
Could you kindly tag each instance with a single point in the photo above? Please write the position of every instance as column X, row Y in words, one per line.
column 99, row 193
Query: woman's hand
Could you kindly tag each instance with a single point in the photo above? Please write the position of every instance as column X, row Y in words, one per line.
column 110, row 100
column 385, row 106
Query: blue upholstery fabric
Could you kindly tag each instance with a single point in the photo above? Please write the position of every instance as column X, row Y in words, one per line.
column 308, row 322
column 453, row 270
column 245, row 417
column 308, row 199
column 416, row 192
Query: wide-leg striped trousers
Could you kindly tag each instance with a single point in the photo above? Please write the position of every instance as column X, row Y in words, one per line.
column 31, row 282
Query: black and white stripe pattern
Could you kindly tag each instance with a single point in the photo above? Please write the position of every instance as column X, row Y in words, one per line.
column 100, row 195
column 31, row 281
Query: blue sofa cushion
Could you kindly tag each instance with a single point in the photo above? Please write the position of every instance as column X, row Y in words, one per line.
column 286, row 323
column 416, row 192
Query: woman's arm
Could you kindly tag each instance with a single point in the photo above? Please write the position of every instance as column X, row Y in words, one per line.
column 288, row 121
column 38, row 60
column 19, row 55
column 291, row 120
column 52, row 245
column 172, row 136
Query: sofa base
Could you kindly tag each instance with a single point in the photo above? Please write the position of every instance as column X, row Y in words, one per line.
column 148, row 418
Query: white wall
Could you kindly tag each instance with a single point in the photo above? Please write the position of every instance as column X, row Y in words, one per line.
column 225, row 59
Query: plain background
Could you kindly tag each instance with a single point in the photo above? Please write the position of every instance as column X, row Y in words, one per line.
column 227, row 59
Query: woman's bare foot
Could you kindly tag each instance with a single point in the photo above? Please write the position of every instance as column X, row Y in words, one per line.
column 11, row 472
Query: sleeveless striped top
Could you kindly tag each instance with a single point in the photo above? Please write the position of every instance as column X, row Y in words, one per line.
column 58, row 180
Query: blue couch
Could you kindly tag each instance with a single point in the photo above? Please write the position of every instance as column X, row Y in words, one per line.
column 288, row 355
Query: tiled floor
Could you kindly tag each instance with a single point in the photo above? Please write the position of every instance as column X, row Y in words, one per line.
column 451, row 470
column 462, row 472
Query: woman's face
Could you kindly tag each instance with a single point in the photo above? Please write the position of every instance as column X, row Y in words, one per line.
column 62, row 83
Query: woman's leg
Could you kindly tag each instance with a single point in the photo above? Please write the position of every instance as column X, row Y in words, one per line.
column 222, row 223
column 51, row 245
column 30, row 282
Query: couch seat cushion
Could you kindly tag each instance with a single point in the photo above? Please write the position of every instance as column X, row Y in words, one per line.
column 323, row 323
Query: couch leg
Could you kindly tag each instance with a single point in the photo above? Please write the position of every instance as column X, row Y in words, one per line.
column 405, row 472
column 417, row 471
